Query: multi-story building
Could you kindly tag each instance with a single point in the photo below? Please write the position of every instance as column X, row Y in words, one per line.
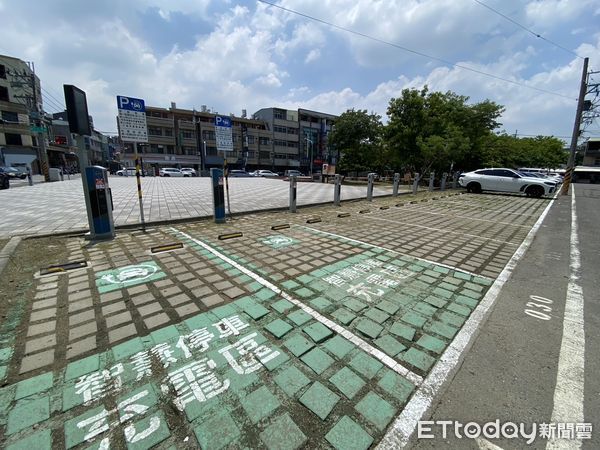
column 315, row 128
column 300, row 137
column 591, row 156
column 283, row 124
column 274, row 138
column 181, row 137
column 20, row 96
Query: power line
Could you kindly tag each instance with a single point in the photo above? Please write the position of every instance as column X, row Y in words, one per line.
column 537, row 35
column 416, row 52
column 59, row 102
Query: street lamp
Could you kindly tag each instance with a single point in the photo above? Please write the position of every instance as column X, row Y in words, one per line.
column 204, row 155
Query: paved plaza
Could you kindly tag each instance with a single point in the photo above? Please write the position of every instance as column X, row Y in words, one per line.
column 317, row 334
column 47, row 208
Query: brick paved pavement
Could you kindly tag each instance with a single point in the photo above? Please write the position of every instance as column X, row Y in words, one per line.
column 54, row 207
column 314, row 335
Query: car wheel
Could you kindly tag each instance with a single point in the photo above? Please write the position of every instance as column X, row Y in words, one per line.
column 120, row 174
column 5, row 183
column 534, row 191
column 473, row 187
column 186, row 176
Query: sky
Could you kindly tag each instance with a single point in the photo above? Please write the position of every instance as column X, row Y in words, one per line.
column 234, row 55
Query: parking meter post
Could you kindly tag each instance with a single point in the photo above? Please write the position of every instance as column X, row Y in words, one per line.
column 293, row 192
column 396, row 184
column 431, row 179
column 216, row 176
column 443, row 184
column 29, row 177
column 337, row 189
column 99, row 197
column 139, row 186
column 415, row 185
column 370, row 179
column 226, row 174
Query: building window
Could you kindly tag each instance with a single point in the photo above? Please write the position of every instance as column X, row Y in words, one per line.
column 264, row 141
column 187, row 134
column 279, row 143
column 278, row 129
column 2, row 71
column 154, row 148
column 292, row 131
column 250, row 139
column 208, row 135
column 168, row 132
column 13, row 139
column 10, row 116
column 264, row 155
column 155, row 131
column 170, row 150
column 292, row 144
column 4, row 94
column 278, row 114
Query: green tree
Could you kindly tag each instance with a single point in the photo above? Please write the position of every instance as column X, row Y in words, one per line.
column 432, row 130
column 357, row 137
column 509, row 151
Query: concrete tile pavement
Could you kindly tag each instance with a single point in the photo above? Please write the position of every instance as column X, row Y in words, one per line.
column 56, row 207
column 307, row 340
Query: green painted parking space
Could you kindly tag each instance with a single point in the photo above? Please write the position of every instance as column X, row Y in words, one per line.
column 314, row 336
column 256, row 371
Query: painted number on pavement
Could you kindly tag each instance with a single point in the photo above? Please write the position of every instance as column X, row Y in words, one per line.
column 539, row 307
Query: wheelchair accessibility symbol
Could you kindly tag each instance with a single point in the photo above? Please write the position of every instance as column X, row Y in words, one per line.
column 111, row 280
column 278, row 241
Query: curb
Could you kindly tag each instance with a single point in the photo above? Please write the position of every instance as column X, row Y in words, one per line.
column 8, row 250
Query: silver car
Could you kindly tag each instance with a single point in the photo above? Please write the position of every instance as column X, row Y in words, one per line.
column 505, row 180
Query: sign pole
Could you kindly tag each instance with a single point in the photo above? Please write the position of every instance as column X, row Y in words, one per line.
column 226, row 175
column 133, row 128
column 139, row 185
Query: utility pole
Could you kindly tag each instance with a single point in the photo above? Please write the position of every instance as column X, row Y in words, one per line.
column 199, row 148
column 576, row 126
column 41, row 138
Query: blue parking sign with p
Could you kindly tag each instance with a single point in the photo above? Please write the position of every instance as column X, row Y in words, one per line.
column 130, row 103
column 223, row 121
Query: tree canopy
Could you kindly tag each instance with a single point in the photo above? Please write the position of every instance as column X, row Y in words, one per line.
column 432, row 131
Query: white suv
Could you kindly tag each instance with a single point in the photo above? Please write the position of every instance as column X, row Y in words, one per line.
column 171, row 172
column 505, row 180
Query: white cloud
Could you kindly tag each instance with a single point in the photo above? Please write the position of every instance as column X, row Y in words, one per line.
column 257, row 56
column 313, row 55
column 548, row 13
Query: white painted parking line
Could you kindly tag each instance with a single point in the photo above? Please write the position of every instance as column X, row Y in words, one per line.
column 356, row 241
column 569, row 390
column 439, row 229
column 400, row 432
column 422, row 211
column 362, row 344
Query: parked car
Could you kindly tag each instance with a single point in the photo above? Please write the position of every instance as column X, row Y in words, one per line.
column 239, row 173
column 265, row 173
column 13, row 173
column 505, row 180
column 128, row 171
column 293, row 173
column 4, row 181
column 171, row 172
column 189, row 171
